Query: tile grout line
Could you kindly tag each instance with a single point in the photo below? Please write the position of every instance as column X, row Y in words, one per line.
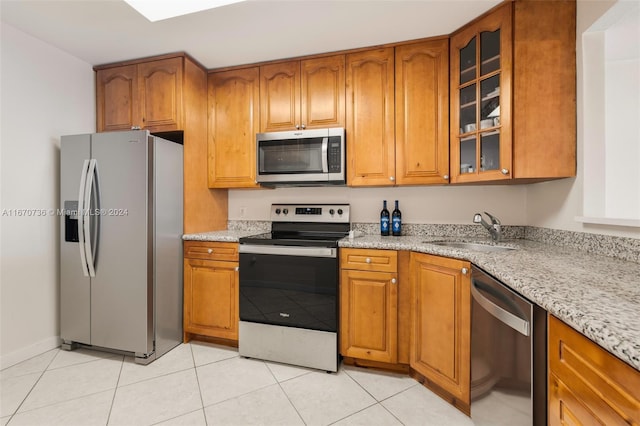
column 382, row 400
column 195, row 370
column 115, row 391
column 285, row 393
column 32, row 387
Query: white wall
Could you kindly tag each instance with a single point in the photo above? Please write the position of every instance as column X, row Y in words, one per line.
column 421, row 204
column 45, row 93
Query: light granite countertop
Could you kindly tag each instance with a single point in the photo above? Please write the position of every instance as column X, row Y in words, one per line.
column 598, row 296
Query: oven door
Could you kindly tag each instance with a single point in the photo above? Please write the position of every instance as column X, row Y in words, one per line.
column 289, row 286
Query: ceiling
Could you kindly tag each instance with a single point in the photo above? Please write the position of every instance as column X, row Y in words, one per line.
column 105, row 31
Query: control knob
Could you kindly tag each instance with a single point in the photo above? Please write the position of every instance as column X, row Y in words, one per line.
column 331, row 211
column 277, row 211
column 339, row 211
column 285, row 211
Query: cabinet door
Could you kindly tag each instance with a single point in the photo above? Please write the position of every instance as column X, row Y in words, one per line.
column 369, row 315
column 322, row 92
column 161, row 94
column 117, row 99
column 422, row 113
column 370, row 118
column 211, row 298
column 588, row 385
column 481, row 77
column 233, row 123
column 280, row 96
column 441, row 324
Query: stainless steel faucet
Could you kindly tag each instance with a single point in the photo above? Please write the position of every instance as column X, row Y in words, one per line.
column 495, row 228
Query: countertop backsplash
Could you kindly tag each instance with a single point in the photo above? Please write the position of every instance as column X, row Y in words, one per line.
column 623, row 248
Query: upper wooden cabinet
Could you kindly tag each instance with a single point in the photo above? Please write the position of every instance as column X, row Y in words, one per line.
column 422, row 113
column 370, row 118
column 234, row 120
column 441, row 326
column 398, row 115
column 588, row 385
column 513, row 94
column 304, row 94
column 165, row 94
column 147, row 95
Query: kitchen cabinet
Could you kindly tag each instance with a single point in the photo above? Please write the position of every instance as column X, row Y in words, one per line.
column 422, row 113
column 441, row 326
column 234, row 120
column 370, row 124
column 211, row 290
column 398, row 115
column 166, row 93
column 513, row 94
column 305, row 94
column 146, row 95
column 588, row 385
column 369, row 304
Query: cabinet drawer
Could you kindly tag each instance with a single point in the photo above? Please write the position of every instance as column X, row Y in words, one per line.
column 209, row 250
column 369, row 260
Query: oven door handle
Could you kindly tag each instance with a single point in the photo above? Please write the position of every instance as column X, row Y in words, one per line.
column 289, row 250
column 518, row 324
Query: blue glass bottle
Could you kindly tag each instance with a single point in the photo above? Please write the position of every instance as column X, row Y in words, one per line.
column 396, row 221
column 384, row 219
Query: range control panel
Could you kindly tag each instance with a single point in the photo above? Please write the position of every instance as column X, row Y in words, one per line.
column 326, row 213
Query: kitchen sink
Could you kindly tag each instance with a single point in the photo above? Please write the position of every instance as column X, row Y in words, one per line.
column 471, row 246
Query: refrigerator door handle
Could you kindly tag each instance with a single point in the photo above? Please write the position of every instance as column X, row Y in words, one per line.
column 88, row 249
column 81, row 217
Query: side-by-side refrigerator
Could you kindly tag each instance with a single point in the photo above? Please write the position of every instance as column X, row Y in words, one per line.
column 120, row 243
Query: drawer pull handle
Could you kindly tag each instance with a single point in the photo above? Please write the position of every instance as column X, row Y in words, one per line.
column 368, row 260
column 209, row 251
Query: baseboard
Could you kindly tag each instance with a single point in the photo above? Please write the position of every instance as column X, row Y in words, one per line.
column 15, row 357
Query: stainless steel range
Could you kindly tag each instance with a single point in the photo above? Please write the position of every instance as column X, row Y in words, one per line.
column 289, row 286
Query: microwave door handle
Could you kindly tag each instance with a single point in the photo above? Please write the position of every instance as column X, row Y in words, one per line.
column 325, row 155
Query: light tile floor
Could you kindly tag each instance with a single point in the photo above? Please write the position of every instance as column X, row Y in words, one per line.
column 204, row 384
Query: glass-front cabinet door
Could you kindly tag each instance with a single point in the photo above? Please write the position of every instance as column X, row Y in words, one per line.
column 481, row 62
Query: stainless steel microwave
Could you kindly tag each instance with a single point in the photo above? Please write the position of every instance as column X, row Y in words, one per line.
column 301, row 157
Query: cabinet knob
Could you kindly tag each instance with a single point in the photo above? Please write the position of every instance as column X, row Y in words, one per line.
column 209, row 251
column 391, row 178
column 304, row 126
column 237, row 268
column 464, row 271
column 368, row 260
column 393, row 281
column 297, row 126
column 135, row 127
column 505, row 171
column 446, row 177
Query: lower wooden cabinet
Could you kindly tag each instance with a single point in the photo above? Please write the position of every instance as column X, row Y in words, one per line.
column 211, row 290
column 441, row 326
column 588, row 385
column 369, row 305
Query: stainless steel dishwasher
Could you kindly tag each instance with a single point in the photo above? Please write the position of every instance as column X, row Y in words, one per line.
column 508, row 355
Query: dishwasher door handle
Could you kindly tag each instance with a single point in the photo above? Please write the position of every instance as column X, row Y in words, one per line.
column 518, row 324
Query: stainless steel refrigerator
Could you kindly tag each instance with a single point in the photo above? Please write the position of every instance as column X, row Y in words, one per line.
column 120, row 243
